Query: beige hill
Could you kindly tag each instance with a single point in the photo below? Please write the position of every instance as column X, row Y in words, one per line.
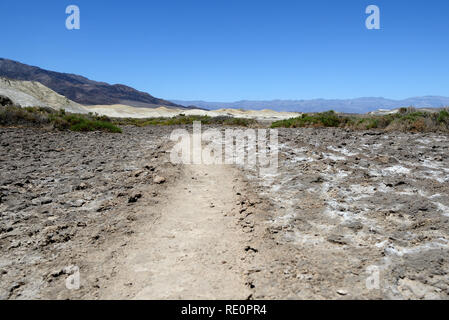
column 123, row 111
column 35, row 94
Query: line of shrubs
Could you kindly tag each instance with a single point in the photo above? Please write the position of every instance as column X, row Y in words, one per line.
column 407, row 119
column 185, row 120
column 55, row 119
column 60, row 120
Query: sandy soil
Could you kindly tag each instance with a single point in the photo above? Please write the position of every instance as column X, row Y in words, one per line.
column 194, row 250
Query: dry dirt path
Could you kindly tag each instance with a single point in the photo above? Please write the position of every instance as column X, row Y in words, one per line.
column 194, row 250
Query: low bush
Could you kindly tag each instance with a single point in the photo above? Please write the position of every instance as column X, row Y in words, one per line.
column 324, row 119
column 185, row 120
column 406, row 119
column 60, row 120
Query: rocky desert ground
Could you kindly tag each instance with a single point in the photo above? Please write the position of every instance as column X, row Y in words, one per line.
column 65, row 195
column 356, row 215
column 347, row 215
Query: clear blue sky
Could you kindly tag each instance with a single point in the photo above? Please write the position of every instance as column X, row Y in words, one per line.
column 229, row 50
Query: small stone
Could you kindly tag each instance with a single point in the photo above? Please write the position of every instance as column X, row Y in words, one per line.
column 138, row 173
column 57, row 273
column 46, row 200
column 15, row 244
column 354, row 225
column 134, row 198
column 337, row 239
column 16, row 285
column 41, row 201
column 149, row 167
column 249, row 248
column 159, row 180
column 342, row 292
column 82, row 186
column 77, row 204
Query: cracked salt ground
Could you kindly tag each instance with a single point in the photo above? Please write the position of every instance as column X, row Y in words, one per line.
column 444, row 209
column 318, row 225
column 63, row 194
column 344, row 151
column 366, row 199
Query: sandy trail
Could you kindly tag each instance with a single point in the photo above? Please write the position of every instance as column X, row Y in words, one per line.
column 194, row 250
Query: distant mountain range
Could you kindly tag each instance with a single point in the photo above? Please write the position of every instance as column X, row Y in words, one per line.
column 81, row 89
column 359, row 105
column 88, row 92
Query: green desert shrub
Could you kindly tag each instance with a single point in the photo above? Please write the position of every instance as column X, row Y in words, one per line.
column 61, row 120
column 443, row 116
column 324, row 119
column 95, row 125
column 407, row 119
column 13, row 115
column 182, row 119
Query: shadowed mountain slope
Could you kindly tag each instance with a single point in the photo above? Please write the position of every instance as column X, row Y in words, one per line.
column 80, row 89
